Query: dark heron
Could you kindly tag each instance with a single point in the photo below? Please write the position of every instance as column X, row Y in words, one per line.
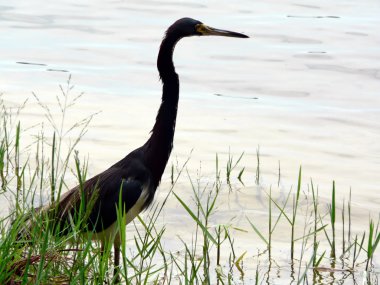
column 134, row 179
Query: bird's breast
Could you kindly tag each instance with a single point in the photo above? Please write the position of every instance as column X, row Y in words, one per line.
column 138, row 206
column 111, row 233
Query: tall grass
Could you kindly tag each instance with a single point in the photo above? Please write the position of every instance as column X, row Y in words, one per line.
column 210, row 253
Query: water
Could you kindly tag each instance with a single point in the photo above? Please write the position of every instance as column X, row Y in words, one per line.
column 304, row 87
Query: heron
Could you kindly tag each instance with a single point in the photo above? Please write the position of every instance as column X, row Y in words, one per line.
column 134, row 179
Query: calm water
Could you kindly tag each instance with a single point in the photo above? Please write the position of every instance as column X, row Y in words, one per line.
column 304, row 87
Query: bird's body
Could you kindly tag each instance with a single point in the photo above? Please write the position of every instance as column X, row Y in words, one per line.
column 134, row 179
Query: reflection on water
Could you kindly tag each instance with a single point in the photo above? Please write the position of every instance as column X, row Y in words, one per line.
column 312, row 70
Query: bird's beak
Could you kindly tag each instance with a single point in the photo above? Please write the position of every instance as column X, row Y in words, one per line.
column 208, row 31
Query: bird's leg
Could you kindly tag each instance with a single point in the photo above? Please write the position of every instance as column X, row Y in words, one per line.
column 102, row 248
column 116, row 262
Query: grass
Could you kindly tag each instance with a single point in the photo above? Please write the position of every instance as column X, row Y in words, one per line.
column 211, row 251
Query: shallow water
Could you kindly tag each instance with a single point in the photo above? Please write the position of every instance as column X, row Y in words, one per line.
column 304, row 87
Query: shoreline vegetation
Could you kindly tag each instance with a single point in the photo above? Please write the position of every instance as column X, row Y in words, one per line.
column 323, row 245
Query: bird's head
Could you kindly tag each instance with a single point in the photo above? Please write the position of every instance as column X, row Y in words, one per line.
column 187, row 27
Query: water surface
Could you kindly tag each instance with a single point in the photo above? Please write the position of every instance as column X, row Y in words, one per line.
column 304, row 87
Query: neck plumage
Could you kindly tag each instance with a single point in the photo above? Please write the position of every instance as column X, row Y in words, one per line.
column 159, row 145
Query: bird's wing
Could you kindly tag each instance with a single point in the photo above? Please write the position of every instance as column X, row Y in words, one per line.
column 122, row 192
column 100, row 196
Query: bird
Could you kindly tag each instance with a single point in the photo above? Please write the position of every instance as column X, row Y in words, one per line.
column 134, row 179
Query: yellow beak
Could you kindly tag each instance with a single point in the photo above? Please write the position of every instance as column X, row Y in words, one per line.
column 208, row 31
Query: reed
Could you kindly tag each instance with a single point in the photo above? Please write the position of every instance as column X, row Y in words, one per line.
column 211, row 252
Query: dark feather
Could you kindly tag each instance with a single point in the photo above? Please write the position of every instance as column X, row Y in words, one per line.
column 100, row 196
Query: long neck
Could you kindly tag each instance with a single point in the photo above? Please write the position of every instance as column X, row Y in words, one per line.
column 159, row 145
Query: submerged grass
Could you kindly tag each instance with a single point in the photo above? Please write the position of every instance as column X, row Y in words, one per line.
column 210, row 254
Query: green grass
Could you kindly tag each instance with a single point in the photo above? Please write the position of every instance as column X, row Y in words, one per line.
column 210, row 253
